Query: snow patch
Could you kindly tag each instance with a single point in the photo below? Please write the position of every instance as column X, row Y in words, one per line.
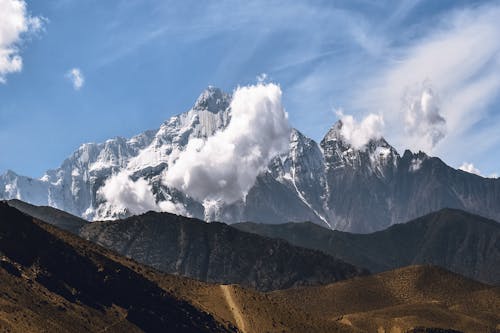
column 415, row 164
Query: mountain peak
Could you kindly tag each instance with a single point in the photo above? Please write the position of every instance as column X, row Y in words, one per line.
column 9, row 173
column 334, row 133
column 212, row 99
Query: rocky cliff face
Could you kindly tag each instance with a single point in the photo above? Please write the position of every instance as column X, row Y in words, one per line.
column 331, row 183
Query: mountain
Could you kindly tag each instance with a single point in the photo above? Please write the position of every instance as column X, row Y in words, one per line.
column 51, row 215
column 331, row 183
column 380, row 188
column 456, row 240
column 411, row 299
column 52, row 281
column 73, row 187
column 55, row 281
column 215, row 252
column 212, row 252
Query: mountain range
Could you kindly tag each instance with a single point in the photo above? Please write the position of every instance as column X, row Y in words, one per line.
column 211, row 252
column 456, row 240
column 273, row 256
column 55, row 281
column 330, row 183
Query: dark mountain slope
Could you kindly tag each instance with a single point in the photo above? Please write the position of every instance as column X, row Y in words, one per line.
column 215, row 252
column 461, row 242
column 52, row 282
column 210, row 252
column 55, row 216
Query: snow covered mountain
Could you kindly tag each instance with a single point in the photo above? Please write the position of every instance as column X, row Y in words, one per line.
column 331, row 183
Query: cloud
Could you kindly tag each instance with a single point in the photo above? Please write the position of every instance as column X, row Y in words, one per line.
column 76, row 77
column 220, row 169
column 470, row 168
column 224, row 167
column 358, row 134
column 15, row 24
column 422, row 118
column 460, row 57
column 262, row 77
column 136, row 197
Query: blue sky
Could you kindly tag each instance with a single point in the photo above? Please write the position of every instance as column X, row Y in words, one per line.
column 409, row 63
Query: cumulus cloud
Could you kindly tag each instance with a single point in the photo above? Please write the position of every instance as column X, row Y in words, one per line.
column 359, row 133
column 225, row 166
column 15, row 24
column 76, row 77
column 124, row 194
column 460, row 56
column 470, row 168
column 422, row 118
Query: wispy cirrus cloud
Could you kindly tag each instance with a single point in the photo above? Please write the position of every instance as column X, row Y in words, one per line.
column 460, row 59
column 423, row 66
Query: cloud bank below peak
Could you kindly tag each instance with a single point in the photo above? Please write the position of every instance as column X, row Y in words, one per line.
column 219, row 169
column 124, row 194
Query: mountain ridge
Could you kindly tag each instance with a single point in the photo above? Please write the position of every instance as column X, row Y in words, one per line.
column 456, row 240
column 330, row 183
column 56, row 294
column 212, row 252
column 52, row 281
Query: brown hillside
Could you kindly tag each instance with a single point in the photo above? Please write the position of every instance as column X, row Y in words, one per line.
column 54, row 281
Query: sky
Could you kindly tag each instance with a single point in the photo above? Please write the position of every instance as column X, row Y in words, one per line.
column 423, row 74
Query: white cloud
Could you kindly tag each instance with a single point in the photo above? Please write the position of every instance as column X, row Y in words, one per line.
column 422, row 118
column 470, row 168
column 15, row 24
column 124, row 194
column 262, row 77
column 460, row 57
column 358, row 134
column 221, row 169
column 76, row 77
column 224, row 167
